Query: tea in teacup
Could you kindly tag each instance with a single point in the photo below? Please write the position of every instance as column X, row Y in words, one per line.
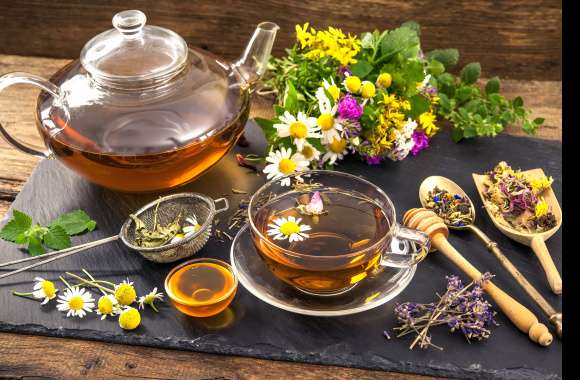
column 324, row 250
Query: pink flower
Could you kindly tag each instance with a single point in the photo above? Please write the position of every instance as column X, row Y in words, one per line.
column 348, row 108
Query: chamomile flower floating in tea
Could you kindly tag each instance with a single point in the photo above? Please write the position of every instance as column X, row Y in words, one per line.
column 76, row 301
column 288, row 228
column 328, row 123
column 108, row 306
column 298, row 128
column 454, row 209
column 282, row 162
column 130, row 318
column 125, row 293
column 44, row 289
column 150, row 298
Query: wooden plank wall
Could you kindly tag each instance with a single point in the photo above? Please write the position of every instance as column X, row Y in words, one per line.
column 511, row 38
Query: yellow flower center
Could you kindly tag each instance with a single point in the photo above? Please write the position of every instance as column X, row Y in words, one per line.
column 337, row 146
column 289, row 228
column 286, row 166
column 542, row 208
column 48, row 288
column 105, row 305
column 298, row 130
column 125, row 294
column 307, row 152
column 353, row 83
column 130, row 319
column 368, row 90
column 333, row 91
column 76, row 303
column 385, row 80
column 325, row 121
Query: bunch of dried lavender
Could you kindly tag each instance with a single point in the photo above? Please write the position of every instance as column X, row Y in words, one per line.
column 461, row 308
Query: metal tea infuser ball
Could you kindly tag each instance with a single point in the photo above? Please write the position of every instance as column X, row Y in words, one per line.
column 166, row 209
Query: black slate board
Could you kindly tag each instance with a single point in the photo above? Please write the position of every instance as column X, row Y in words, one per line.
column 260, row 330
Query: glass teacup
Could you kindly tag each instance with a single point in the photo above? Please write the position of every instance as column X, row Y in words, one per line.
column 329, row 230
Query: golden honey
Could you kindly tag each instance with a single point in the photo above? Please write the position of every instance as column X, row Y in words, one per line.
column 201, row 287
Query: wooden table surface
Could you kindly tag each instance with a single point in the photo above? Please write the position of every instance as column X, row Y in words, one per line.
column 31, row 356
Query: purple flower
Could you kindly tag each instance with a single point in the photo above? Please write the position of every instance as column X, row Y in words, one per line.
column 343, row 70
column 421, row 142
column 348, row 108
column 373, row 160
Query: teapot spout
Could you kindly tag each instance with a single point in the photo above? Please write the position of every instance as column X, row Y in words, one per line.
column 254, row 62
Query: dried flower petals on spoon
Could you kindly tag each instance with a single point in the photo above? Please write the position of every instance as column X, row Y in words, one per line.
column 454, row 209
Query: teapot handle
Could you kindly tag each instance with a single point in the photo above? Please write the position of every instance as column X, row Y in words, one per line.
column 10, row 79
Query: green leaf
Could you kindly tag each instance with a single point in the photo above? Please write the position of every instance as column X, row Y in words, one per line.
column 539, row 120
column 419, row 105
column 402, row 40
column 361, row 68
column 457, row 135
column 19, row 224
column 470, row 73
column 413, row 25
column 35, row 247
column 267, row 126
column 436, row 68
column 518, row 102
column 290, row 98
column 57, row 238
column 448, row 57
column 492, row 86
column 74, row 222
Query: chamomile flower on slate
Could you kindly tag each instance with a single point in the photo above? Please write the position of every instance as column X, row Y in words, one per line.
column 108, row 306
column 298, row 128
column 77, row 302
column 44, row 290
column 150, row 298
column 288, row 228
column 282, row 162
column 125, row 293
column 130, row 318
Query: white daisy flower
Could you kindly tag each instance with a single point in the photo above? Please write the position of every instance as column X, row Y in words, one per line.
column 108, row 306
column 299, row 129
column 328, row 123
column 186, row 231
column 332, row 88
column 150, row 298
column 336, row 150
column 44, row 289
column 288, row 228
column 76, row 302
column 283, row 162
column 310, row 152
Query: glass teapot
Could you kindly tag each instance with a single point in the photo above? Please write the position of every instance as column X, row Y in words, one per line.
column 141, row 111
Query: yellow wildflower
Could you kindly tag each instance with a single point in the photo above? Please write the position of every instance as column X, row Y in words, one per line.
column 427, row 120
column 368, row 90
column 541, row 184
column 384, row 80
column 542, row 208
column 332, row 42
column 130, row 319
column 125, row 293
column 353, row 84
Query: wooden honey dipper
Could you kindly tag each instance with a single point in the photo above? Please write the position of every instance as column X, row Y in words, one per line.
column 428, row 222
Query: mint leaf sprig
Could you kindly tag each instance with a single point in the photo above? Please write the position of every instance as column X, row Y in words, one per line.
column 21, row 230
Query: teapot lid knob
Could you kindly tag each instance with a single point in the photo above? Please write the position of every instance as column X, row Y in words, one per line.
column 130, row 22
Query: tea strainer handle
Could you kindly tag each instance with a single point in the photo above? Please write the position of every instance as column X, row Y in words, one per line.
column 224, row 208
column 10, row 79
column 407, row 248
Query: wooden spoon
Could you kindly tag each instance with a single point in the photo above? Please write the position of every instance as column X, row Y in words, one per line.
column 446, row 184
column 428, row 222
column 535, row 240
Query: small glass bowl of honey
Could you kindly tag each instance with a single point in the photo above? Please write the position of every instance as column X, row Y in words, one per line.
column 201, row 287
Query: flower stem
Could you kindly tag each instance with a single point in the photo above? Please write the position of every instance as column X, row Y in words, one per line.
column 24, row 295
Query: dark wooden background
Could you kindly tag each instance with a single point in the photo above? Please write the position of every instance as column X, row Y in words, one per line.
column 513, row 39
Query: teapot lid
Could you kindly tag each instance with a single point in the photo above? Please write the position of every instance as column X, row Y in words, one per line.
column 133, row 54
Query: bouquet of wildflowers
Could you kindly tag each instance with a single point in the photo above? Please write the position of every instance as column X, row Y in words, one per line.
column 376, row 96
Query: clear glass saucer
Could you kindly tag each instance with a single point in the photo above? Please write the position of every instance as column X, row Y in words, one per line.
column 255, row 276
